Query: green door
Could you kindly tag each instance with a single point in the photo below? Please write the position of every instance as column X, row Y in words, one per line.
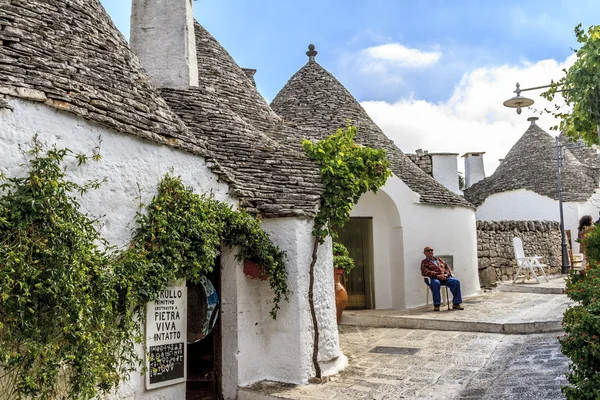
column 357, row 236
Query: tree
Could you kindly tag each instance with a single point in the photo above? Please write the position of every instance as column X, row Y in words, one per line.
column 580, row 90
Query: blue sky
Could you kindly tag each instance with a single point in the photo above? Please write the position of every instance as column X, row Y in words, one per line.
column 409, row 53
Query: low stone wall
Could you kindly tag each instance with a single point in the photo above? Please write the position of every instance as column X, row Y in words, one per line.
column 496, row 256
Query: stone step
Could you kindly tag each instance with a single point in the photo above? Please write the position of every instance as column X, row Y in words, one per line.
column 530, row 288
column 404, row 322
column 492, row 312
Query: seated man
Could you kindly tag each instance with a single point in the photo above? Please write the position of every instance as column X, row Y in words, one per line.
column 438, row 272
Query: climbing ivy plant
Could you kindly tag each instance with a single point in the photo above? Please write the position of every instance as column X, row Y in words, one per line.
column 348, row 170
column 70, row 305
column 180, row 236
column 60, row 331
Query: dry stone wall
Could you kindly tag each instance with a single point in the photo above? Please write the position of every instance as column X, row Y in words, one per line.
column 495, row 252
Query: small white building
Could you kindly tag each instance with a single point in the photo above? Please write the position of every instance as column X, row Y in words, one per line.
column 184, row 107
column 388, row 230
column 524, row 186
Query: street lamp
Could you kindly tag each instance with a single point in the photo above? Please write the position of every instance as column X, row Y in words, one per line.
column 563, row 241
column 517, row 102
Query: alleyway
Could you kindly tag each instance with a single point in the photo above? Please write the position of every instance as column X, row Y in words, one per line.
column 466, row 364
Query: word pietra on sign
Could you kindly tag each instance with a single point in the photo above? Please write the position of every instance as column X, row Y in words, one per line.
column 166, row 330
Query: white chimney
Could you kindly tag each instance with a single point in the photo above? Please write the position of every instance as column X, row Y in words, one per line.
column 474, row 171
column 162, row 36
column 444, row 168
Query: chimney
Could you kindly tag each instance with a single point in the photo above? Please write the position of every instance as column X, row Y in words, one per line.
column 445, row 170
column 474, row 171
column 250, row 74
column 162, row 36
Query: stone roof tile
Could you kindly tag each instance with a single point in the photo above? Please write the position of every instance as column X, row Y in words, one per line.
column 270, row 174
column 589, row 157
column 318, row 103
column 70, row 56
column 531, row 164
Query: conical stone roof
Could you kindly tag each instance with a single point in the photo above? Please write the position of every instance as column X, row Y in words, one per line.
column 271, row 175
column 319, row 104
column 587, row 156
column 69, row 55
column 531, row 164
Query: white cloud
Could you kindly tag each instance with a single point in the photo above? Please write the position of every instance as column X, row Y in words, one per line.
column 402, row 56
column 473, row 118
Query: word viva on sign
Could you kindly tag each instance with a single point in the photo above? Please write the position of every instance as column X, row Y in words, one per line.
column 165, row 326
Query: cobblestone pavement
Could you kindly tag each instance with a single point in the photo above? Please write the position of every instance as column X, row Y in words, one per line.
column 441, row 365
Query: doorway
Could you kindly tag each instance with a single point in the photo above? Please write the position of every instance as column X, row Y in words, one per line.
column 357, row 236
column 204, row 371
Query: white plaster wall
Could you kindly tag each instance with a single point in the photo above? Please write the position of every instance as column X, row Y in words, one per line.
column 255, row 347
column 230, row 280
column 445, row 170
column 281, row 350
column 133, row 169
column 402, row 227
column 526, row 205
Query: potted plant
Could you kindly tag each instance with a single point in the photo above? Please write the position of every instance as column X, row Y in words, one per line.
column 342, row 264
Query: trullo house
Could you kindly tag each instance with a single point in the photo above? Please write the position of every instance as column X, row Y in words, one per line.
column 178, row 103
column 388, row 230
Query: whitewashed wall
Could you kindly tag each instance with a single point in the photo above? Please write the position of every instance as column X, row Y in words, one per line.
column 526, row 205
column 254, row 346
column 281, row 350
column 133, row 167
column 402, row 227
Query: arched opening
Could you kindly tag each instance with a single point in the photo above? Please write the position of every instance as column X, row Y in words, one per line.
column 374, row 240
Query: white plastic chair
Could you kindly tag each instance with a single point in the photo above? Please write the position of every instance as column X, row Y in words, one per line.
column 445, row 298
column 527, row 263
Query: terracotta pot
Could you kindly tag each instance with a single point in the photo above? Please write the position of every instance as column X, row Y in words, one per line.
column 254, row 270
column 341, row 296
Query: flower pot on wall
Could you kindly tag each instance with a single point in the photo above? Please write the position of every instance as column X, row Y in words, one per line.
column 341, row 296
column 254, row 270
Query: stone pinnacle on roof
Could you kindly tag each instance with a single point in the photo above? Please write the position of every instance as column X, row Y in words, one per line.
column 311, row 53
column 532, row 120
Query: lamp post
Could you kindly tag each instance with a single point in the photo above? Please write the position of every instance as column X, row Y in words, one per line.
column 563, row 241
column 518, row 102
